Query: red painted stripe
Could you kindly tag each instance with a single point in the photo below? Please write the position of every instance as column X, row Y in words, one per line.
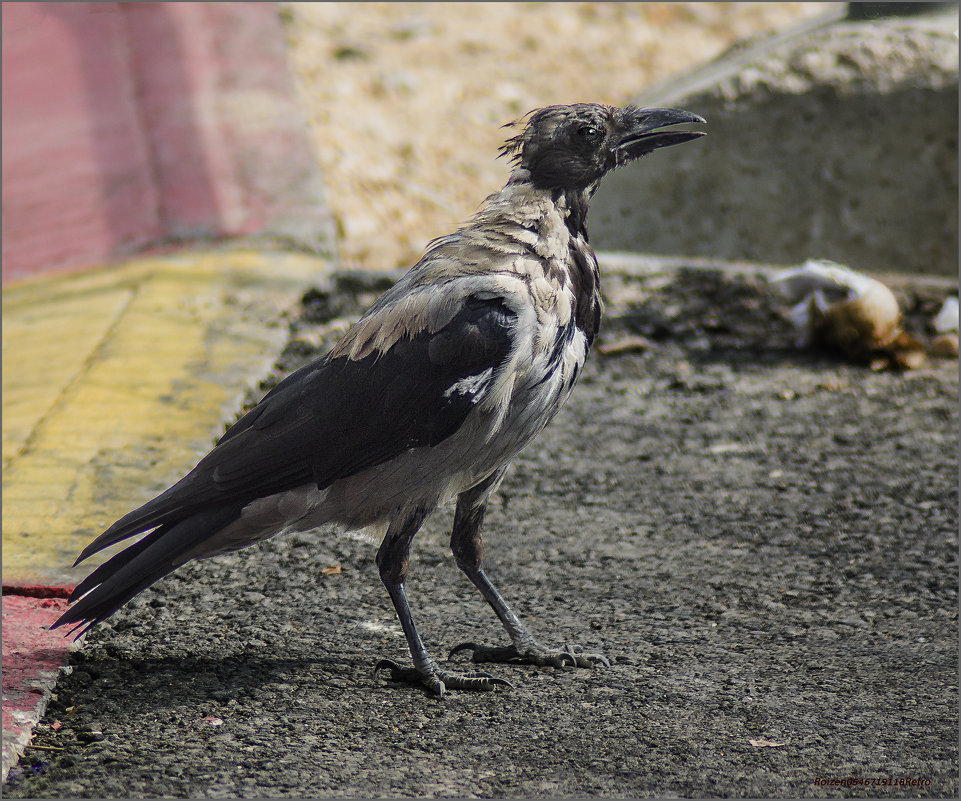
column 37, row 591
column 32, row 658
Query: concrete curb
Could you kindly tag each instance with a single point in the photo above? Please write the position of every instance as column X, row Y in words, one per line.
column 116, row 382
column 633, row 264
column 134, row 125
column 836, row 140
column 33, row 659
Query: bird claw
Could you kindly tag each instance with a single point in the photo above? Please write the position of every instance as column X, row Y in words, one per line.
column 567, row 658
column 438, row 680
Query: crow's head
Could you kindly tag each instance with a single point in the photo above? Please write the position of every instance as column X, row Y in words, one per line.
column 572, row 147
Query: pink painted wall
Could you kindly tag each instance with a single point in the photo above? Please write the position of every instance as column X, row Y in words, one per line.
column 133, row 125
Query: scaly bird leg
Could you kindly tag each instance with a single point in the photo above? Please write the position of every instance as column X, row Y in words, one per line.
column 467, row 543
column 392, row 561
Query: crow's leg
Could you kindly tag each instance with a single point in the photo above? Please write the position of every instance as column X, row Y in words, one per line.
column 467, row 543
column 392, row 561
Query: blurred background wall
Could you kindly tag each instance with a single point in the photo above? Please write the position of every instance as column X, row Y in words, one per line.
column 128, row 125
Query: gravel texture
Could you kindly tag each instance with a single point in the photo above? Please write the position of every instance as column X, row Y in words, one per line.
column 763, row 541
column 405, row 101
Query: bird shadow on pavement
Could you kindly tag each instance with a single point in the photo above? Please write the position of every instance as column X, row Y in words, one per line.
column 175, row 681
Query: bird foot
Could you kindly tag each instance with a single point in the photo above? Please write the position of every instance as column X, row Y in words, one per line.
column 568, row 658
column 438, row 680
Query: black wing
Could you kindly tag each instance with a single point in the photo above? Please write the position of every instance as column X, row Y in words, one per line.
column 337, row 417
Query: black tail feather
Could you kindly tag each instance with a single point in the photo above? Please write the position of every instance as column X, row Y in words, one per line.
column 135, row 568
column 168, row 507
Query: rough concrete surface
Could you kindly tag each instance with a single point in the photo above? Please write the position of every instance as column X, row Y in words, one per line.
column 32, row 658
column 763, row 541
column 141, row 362
column 838, row 140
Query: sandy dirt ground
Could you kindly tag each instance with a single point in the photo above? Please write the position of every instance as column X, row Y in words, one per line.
column 763, row 542
column 405, row 100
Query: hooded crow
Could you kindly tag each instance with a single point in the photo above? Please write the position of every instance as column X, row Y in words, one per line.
column 427, row 398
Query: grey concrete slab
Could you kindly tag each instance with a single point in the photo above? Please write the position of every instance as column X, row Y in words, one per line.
column 837, row 140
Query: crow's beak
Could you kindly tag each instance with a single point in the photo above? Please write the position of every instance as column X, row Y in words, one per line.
column 645, row 134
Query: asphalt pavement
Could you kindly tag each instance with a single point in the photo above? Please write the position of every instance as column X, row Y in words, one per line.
column 762, row 540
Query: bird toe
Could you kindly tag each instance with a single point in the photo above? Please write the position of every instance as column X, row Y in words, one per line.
column 437, row 680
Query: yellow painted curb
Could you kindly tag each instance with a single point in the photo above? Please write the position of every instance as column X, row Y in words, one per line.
column 117, row 381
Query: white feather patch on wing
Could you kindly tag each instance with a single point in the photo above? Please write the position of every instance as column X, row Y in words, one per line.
column 470, row 385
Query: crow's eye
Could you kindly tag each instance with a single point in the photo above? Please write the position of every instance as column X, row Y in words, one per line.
column 588, row 131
